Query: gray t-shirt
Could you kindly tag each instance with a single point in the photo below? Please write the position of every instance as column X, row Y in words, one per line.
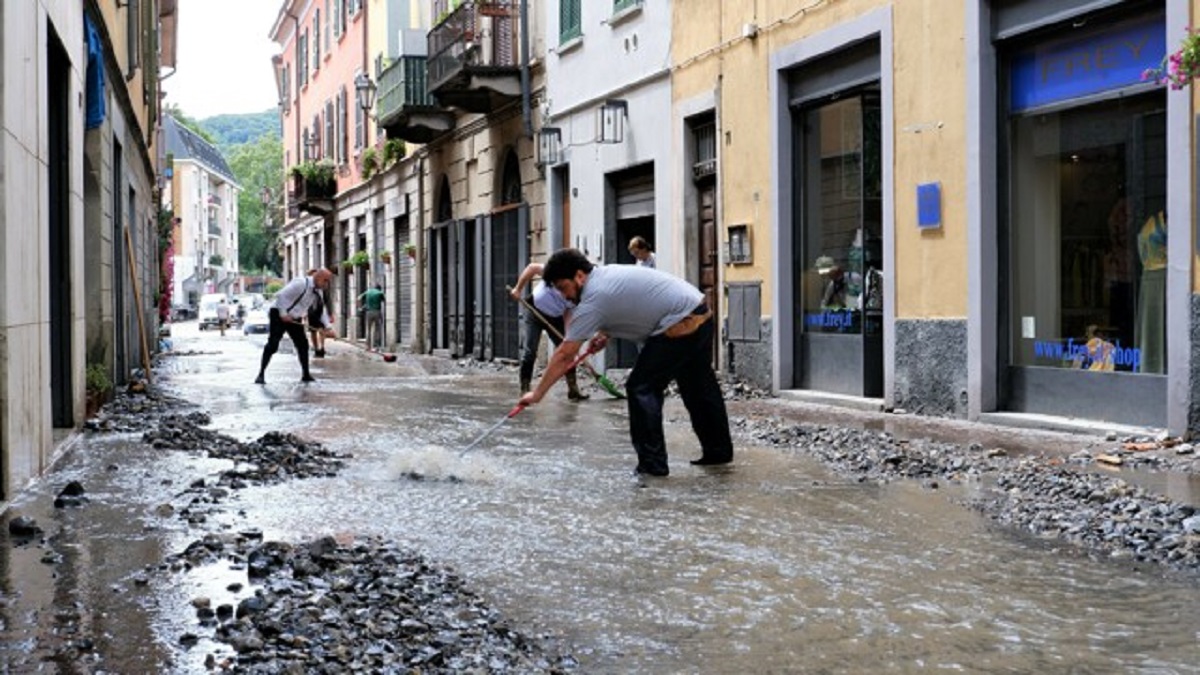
column 631, row 302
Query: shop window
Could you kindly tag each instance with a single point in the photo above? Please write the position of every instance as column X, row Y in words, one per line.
column 1089, row 232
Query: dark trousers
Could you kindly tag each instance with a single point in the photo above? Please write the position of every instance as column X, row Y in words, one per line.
column 294, row 330
column 533, row 333
column 687, row 360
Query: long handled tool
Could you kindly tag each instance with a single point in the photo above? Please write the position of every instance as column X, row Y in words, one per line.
column 511, row 414
column 601, row 380
column 520, row 406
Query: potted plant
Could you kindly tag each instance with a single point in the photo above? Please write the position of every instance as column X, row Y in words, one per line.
column 385, row 256
column 393, row 151
column 410, row 250
column 369, row 160
column 97, row 385
column 361, row 259
column 314, row 180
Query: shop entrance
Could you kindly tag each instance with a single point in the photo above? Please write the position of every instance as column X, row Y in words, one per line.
column 838, row 257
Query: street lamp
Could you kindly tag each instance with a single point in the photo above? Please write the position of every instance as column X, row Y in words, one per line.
column 364, row 89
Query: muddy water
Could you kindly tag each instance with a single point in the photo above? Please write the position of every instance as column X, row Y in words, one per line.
column 771, row 565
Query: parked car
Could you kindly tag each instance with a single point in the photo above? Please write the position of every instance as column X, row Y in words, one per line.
column 256, row 321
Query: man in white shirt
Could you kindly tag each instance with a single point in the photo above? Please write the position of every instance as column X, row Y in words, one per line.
column 287, row 316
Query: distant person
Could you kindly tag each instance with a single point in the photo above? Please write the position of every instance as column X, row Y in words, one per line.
column 552, row 308
column 670, row 317
column 319, row 322
column 640, row 249
column 287, row 315
column 222, row 316
column 372, row 300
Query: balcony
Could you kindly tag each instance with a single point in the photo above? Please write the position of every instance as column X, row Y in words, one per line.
column 405, row 108
column 313, row 187
column 474, row 55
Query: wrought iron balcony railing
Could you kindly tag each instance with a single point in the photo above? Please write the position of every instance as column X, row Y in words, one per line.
column 477, row 34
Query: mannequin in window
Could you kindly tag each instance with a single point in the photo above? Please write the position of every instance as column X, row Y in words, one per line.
column 1150, row 326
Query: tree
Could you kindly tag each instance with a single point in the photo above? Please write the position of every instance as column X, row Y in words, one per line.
column 258, row 165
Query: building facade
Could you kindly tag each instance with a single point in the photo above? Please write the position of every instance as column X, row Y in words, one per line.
column 203, row 199
column 953, row 208
column 79, row 221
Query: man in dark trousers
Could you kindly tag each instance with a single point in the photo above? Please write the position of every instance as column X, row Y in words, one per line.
column 669, row 316
column 288, row 315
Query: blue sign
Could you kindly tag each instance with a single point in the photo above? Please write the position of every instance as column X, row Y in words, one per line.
column 1088, row 64
column 929, row 205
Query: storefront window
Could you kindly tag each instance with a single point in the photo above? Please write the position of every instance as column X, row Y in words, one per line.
column 1088, row 228
column 842, row 275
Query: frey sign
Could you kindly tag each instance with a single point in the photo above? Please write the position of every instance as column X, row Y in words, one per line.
column 1087, row 64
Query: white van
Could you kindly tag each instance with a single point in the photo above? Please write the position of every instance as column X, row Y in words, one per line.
column 208, row 309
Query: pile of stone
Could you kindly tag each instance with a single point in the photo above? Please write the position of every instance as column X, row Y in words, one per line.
column 366, row 607
column 136, row 410
column 273, row 458
column 1050, row 497
column 1096, row 512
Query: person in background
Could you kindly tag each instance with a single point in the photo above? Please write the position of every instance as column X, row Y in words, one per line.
column 553, row 308
column 372, row 301
column 671, row 319
column 222, row 316
column 639, row 248
column 287, row 315
column 317, row 325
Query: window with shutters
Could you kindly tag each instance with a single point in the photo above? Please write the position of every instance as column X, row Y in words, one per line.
column 340, row 130
column 339, row 18
column 358, row 122
column 133, row 36
column 330, row 137
column 316, row 41
column 285, row 87
column 570, row 20
column 328, row 28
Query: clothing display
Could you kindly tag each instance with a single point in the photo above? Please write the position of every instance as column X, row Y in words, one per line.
column 1151, row 323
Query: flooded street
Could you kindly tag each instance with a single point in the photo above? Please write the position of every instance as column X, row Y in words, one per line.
column 773, row 564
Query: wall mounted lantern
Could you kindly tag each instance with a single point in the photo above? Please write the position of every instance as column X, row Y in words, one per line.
column 364, row 90
column 610, row 121
column 549, row 147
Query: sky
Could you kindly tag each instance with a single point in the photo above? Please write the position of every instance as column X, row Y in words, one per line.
column 224, row 57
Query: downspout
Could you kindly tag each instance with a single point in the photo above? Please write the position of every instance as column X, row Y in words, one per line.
column 526, row 113
column 421, row 269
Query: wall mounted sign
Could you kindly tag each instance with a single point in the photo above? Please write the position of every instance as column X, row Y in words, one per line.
column 929, row 205
column 1082, row 65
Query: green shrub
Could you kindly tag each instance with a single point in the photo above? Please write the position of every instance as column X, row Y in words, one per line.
column 96, row 379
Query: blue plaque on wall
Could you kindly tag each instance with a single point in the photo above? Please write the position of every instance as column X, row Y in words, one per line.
column 929, row 205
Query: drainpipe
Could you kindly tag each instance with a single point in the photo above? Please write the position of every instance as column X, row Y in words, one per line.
column 418, row 227
column 526, row 113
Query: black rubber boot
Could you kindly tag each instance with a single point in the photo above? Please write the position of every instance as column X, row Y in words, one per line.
column 573, row 392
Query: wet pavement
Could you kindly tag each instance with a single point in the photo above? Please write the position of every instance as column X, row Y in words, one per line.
column 774, row 564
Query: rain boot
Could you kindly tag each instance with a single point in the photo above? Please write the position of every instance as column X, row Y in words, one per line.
column 525, row 385
column 573, row 392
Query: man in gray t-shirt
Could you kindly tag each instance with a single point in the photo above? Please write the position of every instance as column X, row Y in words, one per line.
column 670, row 318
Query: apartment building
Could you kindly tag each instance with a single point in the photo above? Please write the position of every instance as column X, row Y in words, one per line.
column 79, row 211
column 203, row 199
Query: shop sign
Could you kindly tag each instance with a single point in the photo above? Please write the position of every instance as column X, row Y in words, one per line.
column 1084, row 65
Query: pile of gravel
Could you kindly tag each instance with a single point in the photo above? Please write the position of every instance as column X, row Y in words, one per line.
column 1049, row 497
column 273, row 458
column 133, row 411
column 323, row 607
column 1095, row 512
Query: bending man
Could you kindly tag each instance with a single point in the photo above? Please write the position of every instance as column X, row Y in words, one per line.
column 671, row 318
column 287, row 316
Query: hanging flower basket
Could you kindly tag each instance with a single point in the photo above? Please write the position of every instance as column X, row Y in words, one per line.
column 410, row 250
column 385, row 257
column 1180, row 67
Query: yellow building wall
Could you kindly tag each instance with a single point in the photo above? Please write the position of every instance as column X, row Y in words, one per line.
column 116, row 24
column 712, row 55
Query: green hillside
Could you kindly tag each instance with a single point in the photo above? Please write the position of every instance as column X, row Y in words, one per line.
column 230, row 130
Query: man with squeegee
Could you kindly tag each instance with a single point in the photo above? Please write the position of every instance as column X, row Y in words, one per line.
column 673, row 323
